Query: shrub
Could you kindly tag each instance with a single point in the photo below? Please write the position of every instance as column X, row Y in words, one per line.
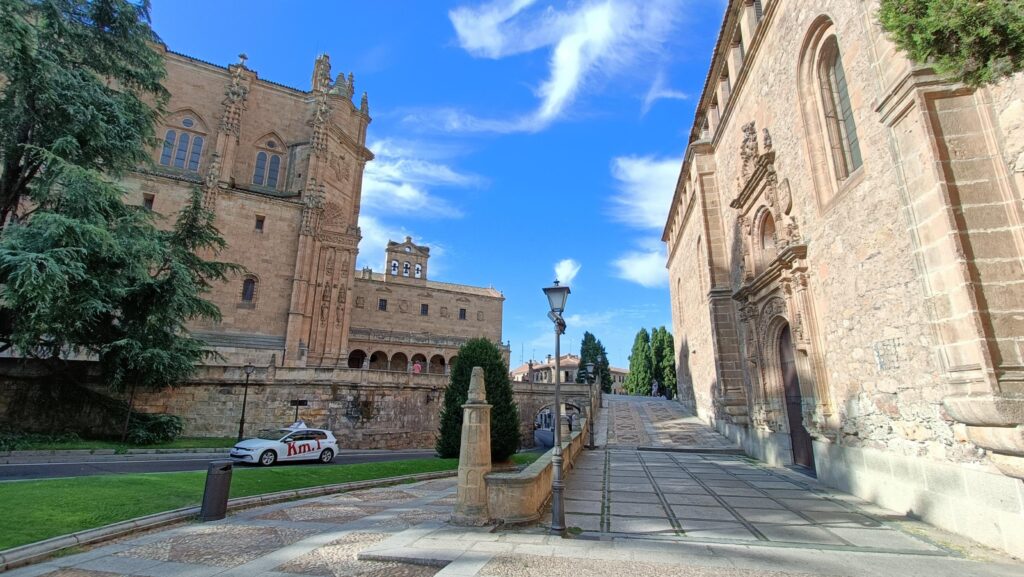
column 973, row 41
column 504, row 412
column 149, row 429
column 17, row 441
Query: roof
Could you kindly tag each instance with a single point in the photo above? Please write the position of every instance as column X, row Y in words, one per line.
column 444, row 286
column 565, row 361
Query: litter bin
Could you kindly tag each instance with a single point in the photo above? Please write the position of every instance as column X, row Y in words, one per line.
column 215, row 496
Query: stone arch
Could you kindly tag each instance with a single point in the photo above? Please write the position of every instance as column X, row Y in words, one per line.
column 421, row 359
column 437, row 365
column 379, row 361
column 399, row 362
column 765, row 238
column 451, row 361
column 819, row 43
column 356, row 359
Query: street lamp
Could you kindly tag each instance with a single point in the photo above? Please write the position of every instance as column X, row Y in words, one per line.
column 593, row 420
column 556, row 299
column 249, row 369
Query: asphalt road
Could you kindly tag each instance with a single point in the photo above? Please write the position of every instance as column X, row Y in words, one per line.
column 78, row 467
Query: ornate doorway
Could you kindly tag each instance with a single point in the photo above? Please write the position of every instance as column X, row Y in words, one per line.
column 803, row 454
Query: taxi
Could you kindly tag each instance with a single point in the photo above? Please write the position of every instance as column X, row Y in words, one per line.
column 292, row 443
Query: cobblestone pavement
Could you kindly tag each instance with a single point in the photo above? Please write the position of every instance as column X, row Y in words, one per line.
column 657, row 423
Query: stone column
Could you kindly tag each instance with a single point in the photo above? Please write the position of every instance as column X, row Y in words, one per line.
column 474, row 455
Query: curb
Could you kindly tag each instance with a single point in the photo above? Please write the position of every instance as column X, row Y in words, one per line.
column 33, row 457
column 33, row 552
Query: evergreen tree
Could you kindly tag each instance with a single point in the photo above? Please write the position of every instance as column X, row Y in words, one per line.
column 81, row 272
column 668, row 369
column 592, row 351
column 504, row 412
column 641, row 370
column 603, row 367
column 657, row 353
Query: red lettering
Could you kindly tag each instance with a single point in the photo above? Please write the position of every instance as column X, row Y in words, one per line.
column 291, row 450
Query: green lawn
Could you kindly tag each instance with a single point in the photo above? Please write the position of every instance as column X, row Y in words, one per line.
column 37, row 510
column 182, row 443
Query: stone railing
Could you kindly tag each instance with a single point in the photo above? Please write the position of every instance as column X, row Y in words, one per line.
column 522, row 496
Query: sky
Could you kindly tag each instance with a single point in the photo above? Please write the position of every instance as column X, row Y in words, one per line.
column 522, row 140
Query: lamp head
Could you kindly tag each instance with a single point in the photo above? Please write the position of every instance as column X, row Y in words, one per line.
column 557, row 296
column 590, row 368
column 249, row 369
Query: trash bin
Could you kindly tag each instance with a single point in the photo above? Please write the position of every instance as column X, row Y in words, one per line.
column 215, row 496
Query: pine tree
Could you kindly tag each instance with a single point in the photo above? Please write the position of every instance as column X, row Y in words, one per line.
column 641, row 370
column 504, row 412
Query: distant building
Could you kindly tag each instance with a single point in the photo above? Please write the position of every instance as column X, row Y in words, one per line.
column 569, row 365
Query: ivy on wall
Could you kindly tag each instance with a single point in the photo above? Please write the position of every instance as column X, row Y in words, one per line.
column 973, row 41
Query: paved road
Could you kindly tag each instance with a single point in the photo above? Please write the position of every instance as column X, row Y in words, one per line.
column 80, row 466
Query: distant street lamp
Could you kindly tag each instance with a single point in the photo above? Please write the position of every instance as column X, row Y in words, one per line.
column 249, row 369
column 590, row 380
column 557, row 296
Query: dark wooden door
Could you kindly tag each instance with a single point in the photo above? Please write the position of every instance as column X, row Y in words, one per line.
column 803, row 454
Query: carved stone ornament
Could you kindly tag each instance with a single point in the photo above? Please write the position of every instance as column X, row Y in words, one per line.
column 234, row 99
column 767, row 141
column 210, row 183
column 775, row 306
column 785, row 196
column 748, row 150
column 323, row 113
column 314, row 203
column 339, row 313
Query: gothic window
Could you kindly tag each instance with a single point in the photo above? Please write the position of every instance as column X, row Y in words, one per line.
column 268, row 165
column 405, row 269
column 394, row 267
column 249, row 286
column 838, row 113
column 419, row 271
column 183, row 147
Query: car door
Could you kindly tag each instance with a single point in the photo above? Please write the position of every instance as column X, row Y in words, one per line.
column 301, row 446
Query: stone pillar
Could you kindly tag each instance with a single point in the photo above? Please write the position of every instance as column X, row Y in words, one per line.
column 474, row 455
column 565, row 423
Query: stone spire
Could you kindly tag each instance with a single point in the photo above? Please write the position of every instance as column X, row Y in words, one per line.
column 364, row 105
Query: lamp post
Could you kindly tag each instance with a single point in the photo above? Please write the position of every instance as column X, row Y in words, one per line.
column 557, row 296
column 593, row 419
column 249, row 369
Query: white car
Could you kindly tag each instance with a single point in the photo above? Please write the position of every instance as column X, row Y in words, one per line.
column 287, row 444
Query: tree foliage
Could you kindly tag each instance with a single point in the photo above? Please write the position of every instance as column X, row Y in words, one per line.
column 973, row 41
column 592, row 351
column 81, row 272
column 504, row 412
column 641, row 365
column 664, row 360
column 80, row 82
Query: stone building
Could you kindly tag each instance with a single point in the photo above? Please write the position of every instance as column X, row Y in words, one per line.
column 282, row 169
column 845, row 256
column 544, row 371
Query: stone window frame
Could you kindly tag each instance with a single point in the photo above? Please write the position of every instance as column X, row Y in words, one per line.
column 406, row 268
column 185, row 134
column 148, row 201
column 394, row 268
column 260, row 226
column 270, row 160
column 766, row 254
column 382, row 305
column 247, row 281
column 463, row 314
column 419, row 270
column 820, row 44
column 424, row 309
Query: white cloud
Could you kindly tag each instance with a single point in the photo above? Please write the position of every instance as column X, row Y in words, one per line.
column 592, row 39
column 644, row 267
column 376, row 235
column 566, row 270
column 659, row 91
column 400, row 178
column 646, row 186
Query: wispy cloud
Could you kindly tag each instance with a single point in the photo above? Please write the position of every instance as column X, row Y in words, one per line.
column 646, row 185
column 660, row 91
column 566, row 270
column 645, row 267
column 590, row 40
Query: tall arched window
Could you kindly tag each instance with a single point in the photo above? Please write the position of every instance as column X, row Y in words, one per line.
column 268, row 164
column 249, row 286
column 838, row 113
column 183, row 148
column 767, row 240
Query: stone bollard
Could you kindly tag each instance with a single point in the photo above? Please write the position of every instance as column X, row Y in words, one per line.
column 566, row 434
column 474, row 455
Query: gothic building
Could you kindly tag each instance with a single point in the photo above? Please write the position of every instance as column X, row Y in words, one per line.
column 846, row 258
column 282, row 170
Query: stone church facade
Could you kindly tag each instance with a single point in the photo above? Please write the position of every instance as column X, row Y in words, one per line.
column 282, row 170
column 846, row 259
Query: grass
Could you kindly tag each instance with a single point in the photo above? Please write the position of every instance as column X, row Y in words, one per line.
column 37, row 510
column 89, row 444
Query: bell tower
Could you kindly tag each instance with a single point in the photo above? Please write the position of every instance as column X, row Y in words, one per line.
column 406, row 261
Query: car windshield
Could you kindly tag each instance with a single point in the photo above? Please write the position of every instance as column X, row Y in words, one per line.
column 272, row 434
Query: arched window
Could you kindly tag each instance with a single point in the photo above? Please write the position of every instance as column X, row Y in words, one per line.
column 419, row 270
column 268, row 163
column 838, row 113
column 405, row 269
column 394, row 267
column 249, row 290
column 183, row 148
column 767, row 240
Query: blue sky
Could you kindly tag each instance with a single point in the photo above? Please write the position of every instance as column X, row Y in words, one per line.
column 514, row 137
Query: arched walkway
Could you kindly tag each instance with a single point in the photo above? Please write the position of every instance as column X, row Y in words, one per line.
column 399, row 362
column 437, row 365
column 356, row 359
column 379, row 361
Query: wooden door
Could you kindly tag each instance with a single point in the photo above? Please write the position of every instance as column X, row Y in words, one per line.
column 803, row 453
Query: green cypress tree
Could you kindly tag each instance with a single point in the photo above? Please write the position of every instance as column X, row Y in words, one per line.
column 668, row 369
column 605, row 371
column 504, row 412
column 640, row 365
column 657, row 353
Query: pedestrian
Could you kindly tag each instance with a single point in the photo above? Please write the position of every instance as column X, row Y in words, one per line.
column 417, row 367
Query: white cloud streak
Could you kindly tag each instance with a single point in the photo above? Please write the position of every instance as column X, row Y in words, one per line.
column 566, row 270
column 660, row 91
column 646, row 186
column 644, row 267
column 591, row 40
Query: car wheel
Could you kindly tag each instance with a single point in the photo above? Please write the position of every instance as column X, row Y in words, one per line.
column 327, row 456
column 268, row 458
